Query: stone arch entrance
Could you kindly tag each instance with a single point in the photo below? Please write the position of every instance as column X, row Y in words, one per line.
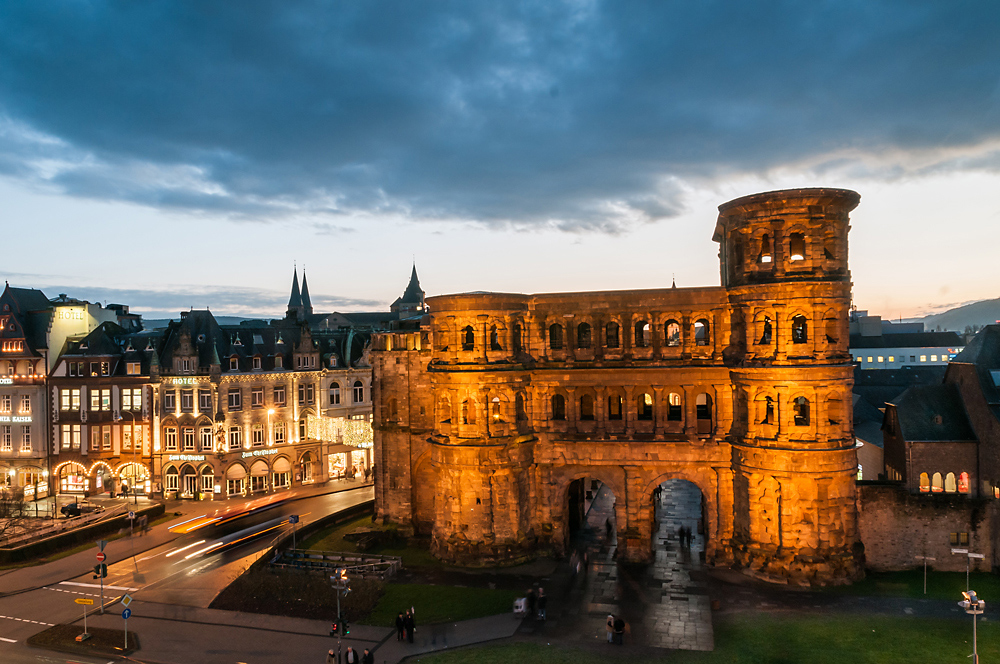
column 590, row 500
column 679, row 504
column 684, row 498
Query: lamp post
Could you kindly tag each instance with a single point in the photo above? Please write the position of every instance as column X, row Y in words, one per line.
column 974, row 607
column 131, row 415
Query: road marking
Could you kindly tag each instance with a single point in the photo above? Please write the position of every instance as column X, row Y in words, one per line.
column 8, row 640
column 71, row 592
column 34, row 622
column 95, row 585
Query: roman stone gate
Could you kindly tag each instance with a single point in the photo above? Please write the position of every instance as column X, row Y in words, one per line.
column 489, row 415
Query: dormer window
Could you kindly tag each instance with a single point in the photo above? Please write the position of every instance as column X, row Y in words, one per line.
column 234, row 364
column 333, row 361
column 256, row 363
column 185, row 365
column 279, row 362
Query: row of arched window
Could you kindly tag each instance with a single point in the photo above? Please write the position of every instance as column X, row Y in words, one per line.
column 763, row 249
column 643, row 407
column 642, row 334
column 936, row 484
column 800, row 412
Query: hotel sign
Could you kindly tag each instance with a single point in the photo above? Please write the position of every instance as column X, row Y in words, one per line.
column 15, row 418
column 186, row 457
column 6, row 381
column 259, row 453
column 185, row 381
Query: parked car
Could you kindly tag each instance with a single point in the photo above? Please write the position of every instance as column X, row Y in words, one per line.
column 80, row 507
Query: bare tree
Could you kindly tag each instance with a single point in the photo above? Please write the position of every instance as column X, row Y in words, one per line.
column 12, row 514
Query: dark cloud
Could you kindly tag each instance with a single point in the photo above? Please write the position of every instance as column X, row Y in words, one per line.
column 584, row 116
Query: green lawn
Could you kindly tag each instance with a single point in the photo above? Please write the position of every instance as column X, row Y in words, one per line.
column 436, row 604
column 940, row 585
column 779, row 639
column 332, row 539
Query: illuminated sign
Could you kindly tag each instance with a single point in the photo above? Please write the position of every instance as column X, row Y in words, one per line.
column 6, row 381
column 186, row 457
column 259, row 453
column 16, row 418
column 184, row 381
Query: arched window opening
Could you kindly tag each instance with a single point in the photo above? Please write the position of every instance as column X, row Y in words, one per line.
column 765, row 337
column 949, row 483
column 738, row 253
column 703, row 412
column 672, row 333
column 495, row 339
column 555, row 336
column 469, row 338
column 765, row 255
column 586, row 407
column 768, row 411
column 519, row 413
column 645, row 406
column 444, row 410
column 468, row 412
column 701, row 332
column 558, row 407
column 583, row 335
column 937, row 484
column 801, row 412
column 359, row 392
column 800, row 333
column 830, row 248
column 495, row 409
column 925, row 483
column 614, row 407
column 963, row 483
column 611, row 339
column 642, row 334
column 674, row 410
column 831, row 331
column 861, row 473
column 334, row 394
column 518, row 344
column 797, row 247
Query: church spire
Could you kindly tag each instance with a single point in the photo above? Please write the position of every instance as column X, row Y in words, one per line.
column 307, row 307
column 295, row 299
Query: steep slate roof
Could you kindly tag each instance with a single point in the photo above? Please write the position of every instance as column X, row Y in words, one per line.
column 908, row 340
column 867, row 421
column 413, row 293
column 918, row 407
column 879, row 386
column 29, row 299
column 306, row 303
column 295, row 299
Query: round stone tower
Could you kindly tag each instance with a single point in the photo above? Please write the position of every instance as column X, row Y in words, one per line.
column 784, row 264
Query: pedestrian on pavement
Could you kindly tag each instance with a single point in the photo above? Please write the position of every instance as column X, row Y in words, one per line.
column 574, row 564
column 610, row 627
column 619, row 630
column 531, row 602
column 607, row 528
column 351, row 657
column 368, row 657
column 543, row 601
column 410, row 625
column 400, row 627
column 331, row 657
column 680, row 536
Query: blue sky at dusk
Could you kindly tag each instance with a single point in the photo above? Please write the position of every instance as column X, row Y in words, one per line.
column 178, row 154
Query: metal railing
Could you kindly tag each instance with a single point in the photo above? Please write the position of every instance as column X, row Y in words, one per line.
column 357, row 565
column 62, row 525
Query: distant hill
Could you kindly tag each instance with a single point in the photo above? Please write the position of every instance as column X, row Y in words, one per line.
column 156, row 323
column 984, row 312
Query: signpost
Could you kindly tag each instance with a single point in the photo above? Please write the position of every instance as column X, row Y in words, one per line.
column 293, row 519
column 101, row 557
column 125, row 614
column 101, row 568
column 968, row 559
column 85, row 602
column 341, row 584
column 925, row 559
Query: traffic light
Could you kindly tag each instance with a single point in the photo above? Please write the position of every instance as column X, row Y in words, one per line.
column 101, row 571
column 345, row 629
column 333, row 628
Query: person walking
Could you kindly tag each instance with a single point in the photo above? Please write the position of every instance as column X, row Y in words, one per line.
column 531, row 602
column 331, row 657
column 410, row 625
column 368, row 657
column 400, row 627
column 619, row 626
column 610, row 627
column 543, row 602
column 607, row 528
column 351, row 657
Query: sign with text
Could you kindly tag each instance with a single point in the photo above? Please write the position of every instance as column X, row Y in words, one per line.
column 84, row 600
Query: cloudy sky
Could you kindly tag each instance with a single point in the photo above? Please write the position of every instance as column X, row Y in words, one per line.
column 174, row 154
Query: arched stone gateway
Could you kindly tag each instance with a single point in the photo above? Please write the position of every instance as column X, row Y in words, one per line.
column 494, row 430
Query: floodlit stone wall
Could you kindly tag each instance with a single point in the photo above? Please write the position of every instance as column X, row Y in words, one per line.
column 487, row 416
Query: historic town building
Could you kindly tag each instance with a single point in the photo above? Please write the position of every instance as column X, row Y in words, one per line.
column 102, row 417
column 493, row 417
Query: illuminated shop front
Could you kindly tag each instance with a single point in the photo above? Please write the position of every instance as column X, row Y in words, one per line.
column 350, row 443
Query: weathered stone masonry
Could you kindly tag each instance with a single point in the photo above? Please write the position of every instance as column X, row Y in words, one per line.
column 487, row 414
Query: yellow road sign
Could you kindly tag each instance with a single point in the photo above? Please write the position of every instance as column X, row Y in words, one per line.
column 83, row 600
column 126, row 600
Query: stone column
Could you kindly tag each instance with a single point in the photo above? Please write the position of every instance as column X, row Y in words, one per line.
column 659, row 411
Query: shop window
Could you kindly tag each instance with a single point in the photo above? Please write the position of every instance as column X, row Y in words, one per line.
column 701, row 333
column 642, row 334
column 171, row 479
column 644, row 406
column 963, row 483
column 672, row 333
column 801, row 411
column 611, row 335
column 800, row 333
column 937, row 484
column 468, row 338
column 556, row 336
column 558, row 407
column 674, row 411
column 587, row 407
column 615, row 407
column 207, row 480
column 583, row 335
column 797, row 247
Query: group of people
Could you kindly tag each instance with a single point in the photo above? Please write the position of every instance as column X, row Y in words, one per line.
column 537, row 603
column 684, row 536
column 405, row 626
column 616, row 627
column 351, row 656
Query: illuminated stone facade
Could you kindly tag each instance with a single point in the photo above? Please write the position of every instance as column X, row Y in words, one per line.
column 489, row 414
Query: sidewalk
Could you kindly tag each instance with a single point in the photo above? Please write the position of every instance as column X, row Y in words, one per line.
column 28, row 578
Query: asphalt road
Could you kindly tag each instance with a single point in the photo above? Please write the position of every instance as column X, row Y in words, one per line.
column 164, row 574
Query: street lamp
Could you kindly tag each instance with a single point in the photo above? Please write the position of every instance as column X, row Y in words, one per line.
column 973, row 606
column 135, row 494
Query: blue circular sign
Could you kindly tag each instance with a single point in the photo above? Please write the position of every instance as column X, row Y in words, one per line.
column 126, row 613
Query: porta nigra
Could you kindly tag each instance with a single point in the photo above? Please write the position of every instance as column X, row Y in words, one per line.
column 493, row 419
